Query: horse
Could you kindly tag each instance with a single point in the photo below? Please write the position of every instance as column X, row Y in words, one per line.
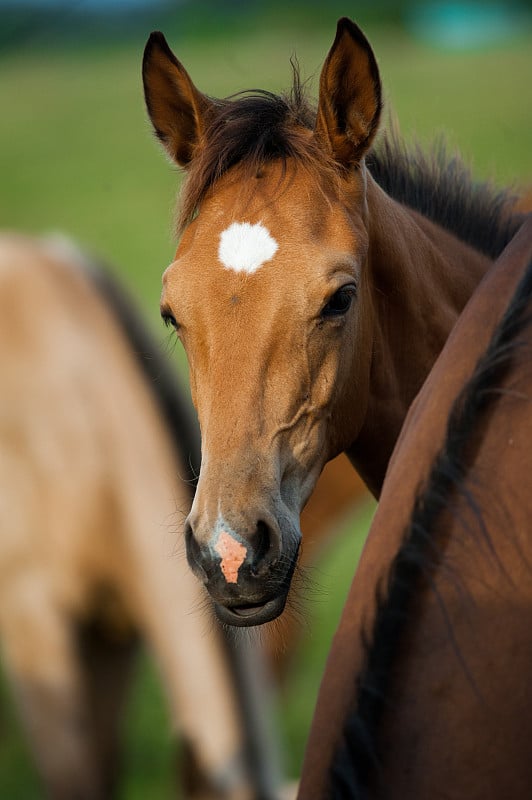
column 426, row 692
column 97, row 456
column 318, row 275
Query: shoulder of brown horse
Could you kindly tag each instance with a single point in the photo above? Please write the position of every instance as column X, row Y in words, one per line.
column 420, row 441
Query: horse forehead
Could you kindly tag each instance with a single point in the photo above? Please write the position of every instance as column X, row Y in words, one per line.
column 225, row 251
column 269, row 233
column 252, row 213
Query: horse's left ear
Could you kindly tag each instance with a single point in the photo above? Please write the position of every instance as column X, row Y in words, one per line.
column 177, row 109
column 350, row 99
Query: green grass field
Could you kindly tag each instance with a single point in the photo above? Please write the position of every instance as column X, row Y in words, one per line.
column 77, row 155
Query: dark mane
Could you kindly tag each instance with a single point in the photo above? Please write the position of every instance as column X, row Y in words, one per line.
column 419, row 555
column 442, row 188
column 170, row 399
column 255, row 127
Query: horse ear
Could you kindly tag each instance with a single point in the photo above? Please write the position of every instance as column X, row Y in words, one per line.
column 350, row 99
column 176, row 108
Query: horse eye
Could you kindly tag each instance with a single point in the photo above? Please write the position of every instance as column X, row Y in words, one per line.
column 340, row 302
column 170, row 320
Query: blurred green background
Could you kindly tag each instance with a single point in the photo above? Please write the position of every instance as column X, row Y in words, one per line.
column 77, row 155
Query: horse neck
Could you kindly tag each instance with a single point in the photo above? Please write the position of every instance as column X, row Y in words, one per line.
column 419, row 279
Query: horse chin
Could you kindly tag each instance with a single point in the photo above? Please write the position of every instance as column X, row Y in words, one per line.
column 245, row 616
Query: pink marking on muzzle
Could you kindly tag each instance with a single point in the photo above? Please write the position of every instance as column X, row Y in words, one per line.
column 232, row 554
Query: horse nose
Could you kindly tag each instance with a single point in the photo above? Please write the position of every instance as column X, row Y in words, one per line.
column 247, row 569
column 230, row 556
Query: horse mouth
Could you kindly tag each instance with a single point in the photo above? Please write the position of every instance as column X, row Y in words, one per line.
column 245, row 616
column 241, row 614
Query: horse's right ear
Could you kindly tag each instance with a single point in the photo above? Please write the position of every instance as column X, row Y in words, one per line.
column 176, row 108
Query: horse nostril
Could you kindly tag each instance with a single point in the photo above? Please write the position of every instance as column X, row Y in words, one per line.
column 265, row 544
column 194, row 555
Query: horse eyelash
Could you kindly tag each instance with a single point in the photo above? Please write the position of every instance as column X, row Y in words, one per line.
column 170, row 321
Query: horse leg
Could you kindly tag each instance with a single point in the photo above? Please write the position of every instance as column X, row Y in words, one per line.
column 41, row 665
column 107, row 657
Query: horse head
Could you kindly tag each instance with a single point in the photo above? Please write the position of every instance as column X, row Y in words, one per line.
column 265, row 295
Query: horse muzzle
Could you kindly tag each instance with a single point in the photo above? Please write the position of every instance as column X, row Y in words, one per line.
column 247, row 576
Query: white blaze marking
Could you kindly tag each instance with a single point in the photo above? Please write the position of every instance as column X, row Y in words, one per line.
column 245, row 248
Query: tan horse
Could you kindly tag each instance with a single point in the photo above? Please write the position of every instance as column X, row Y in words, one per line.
column 427, row 690
column 312, row 292
column 93, row 494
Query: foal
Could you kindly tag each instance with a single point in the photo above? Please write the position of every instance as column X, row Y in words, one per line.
column 93, row 436
column 427, row 688
column 314, row 285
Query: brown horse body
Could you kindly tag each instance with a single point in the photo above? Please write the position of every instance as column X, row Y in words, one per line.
column 91, row 511
column 312, row 293
column 427, row 692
